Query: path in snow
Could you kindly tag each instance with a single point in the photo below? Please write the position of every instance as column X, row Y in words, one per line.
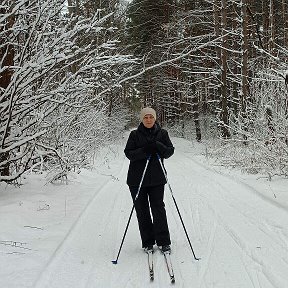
column 240, row 236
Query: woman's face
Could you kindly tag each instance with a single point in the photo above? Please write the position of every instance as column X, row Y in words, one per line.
column 148, row 121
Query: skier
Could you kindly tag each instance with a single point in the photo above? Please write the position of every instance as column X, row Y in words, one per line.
column 149, row 139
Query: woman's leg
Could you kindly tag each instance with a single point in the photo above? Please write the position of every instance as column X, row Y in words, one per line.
column 144, row 217
column 161, row 230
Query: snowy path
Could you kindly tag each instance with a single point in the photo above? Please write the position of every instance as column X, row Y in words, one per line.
column 243, row 237
column 239, row 233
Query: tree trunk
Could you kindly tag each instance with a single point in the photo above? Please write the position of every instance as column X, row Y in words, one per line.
column 217, row 24
column 195, row 108
column 271, row 27
column 244, row 66
column 265, row 17
column 7, row 60
column 285, row 21
column 224, row 93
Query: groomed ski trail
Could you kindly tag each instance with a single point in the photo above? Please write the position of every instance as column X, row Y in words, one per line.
column 238, row 235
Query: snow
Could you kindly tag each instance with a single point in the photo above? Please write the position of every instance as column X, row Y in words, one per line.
column 58, row 235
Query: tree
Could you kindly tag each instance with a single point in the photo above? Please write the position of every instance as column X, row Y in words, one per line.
column 7, row 61
column 244, row 64
column 146, row 24
column 62, row 71
column 224, row 92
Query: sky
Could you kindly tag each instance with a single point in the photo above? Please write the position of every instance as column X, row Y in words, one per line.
column 66, row 234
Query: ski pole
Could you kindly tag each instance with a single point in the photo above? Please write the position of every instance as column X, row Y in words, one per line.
column 130, row 216
column 174, row 200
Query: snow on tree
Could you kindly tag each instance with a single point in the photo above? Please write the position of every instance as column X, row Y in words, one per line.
column 56, row 72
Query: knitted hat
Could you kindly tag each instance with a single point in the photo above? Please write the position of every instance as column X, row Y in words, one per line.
column 147, row 110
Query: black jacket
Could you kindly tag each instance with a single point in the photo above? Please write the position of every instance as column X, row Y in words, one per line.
column 134, row 151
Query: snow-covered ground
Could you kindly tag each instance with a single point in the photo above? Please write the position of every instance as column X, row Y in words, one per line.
column 65, row 236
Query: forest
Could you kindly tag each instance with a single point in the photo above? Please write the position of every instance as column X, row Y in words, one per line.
column 74, row 75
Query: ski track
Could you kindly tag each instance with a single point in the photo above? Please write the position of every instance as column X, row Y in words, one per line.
column 59, row 271
column 232, row 256
column 250, row 260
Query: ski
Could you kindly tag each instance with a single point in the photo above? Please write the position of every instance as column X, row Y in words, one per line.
column 169, row 266
column 150, row 264
column 168, row 262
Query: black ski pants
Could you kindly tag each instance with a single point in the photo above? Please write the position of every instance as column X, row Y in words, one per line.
column 156, row 230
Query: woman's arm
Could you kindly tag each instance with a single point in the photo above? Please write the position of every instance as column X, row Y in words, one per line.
column 132, row 151
column 165, row 147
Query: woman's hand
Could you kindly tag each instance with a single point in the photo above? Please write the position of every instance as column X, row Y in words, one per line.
column 150, row 148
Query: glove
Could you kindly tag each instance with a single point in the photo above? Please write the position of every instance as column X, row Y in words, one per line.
column 150, row 148
column 161, row 148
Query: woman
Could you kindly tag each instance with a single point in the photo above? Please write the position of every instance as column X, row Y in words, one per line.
column 149, row 140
